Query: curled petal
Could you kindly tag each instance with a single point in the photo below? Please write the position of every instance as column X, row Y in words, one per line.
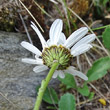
column 43, row 42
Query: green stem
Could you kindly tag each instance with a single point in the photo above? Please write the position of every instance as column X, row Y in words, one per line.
column 102, row 27
column 44, row 84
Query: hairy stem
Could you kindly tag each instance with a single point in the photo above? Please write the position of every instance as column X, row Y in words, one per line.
column 44, row 85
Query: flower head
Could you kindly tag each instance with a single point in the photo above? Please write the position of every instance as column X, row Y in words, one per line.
column 58, row 48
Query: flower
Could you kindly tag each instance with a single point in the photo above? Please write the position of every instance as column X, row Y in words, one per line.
column 57, row 47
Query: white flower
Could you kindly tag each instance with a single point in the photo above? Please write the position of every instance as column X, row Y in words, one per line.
column 57, row 47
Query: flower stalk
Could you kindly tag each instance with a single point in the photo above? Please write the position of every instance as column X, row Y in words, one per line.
column 44, row 85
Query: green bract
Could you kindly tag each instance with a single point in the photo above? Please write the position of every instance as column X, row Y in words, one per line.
column 57, row 53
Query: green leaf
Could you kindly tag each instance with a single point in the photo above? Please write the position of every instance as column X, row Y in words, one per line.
column 106, row 37
column 68, row 81
column 51, row 108
column 50, row 96
column 84, row 91
column 67, row 102
column 91, row 95
column 98, row 69
column 105, row 2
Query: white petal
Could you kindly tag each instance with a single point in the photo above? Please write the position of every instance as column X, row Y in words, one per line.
column 38, row 59
column 31, row 48
column 62, row 39
column 36, row 56
column 55, row 74
column 41, row 68
column 43, row 42
column 77, row 73
column 80, row 74
column 32, row 61
column 69, row 69
column 55, row 31
column 49, row 42
column 61, row 74
column 85, row 40
column 75, row 36
column 81, row 49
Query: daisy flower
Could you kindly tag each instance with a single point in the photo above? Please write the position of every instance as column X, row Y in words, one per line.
column 58, row 48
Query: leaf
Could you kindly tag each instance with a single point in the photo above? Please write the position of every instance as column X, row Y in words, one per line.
column 84, row 91
column 106, row 37
column 105, row 2
column 50, row 96
column 67, row 102
column 91, row 95
column 98, row 69
column 68, row 81
column 51, row 108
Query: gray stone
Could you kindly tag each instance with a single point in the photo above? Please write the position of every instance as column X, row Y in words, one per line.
column 17, row 80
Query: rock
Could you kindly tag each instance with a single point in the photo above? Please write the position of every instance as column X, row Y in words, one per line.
column 17, row 80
